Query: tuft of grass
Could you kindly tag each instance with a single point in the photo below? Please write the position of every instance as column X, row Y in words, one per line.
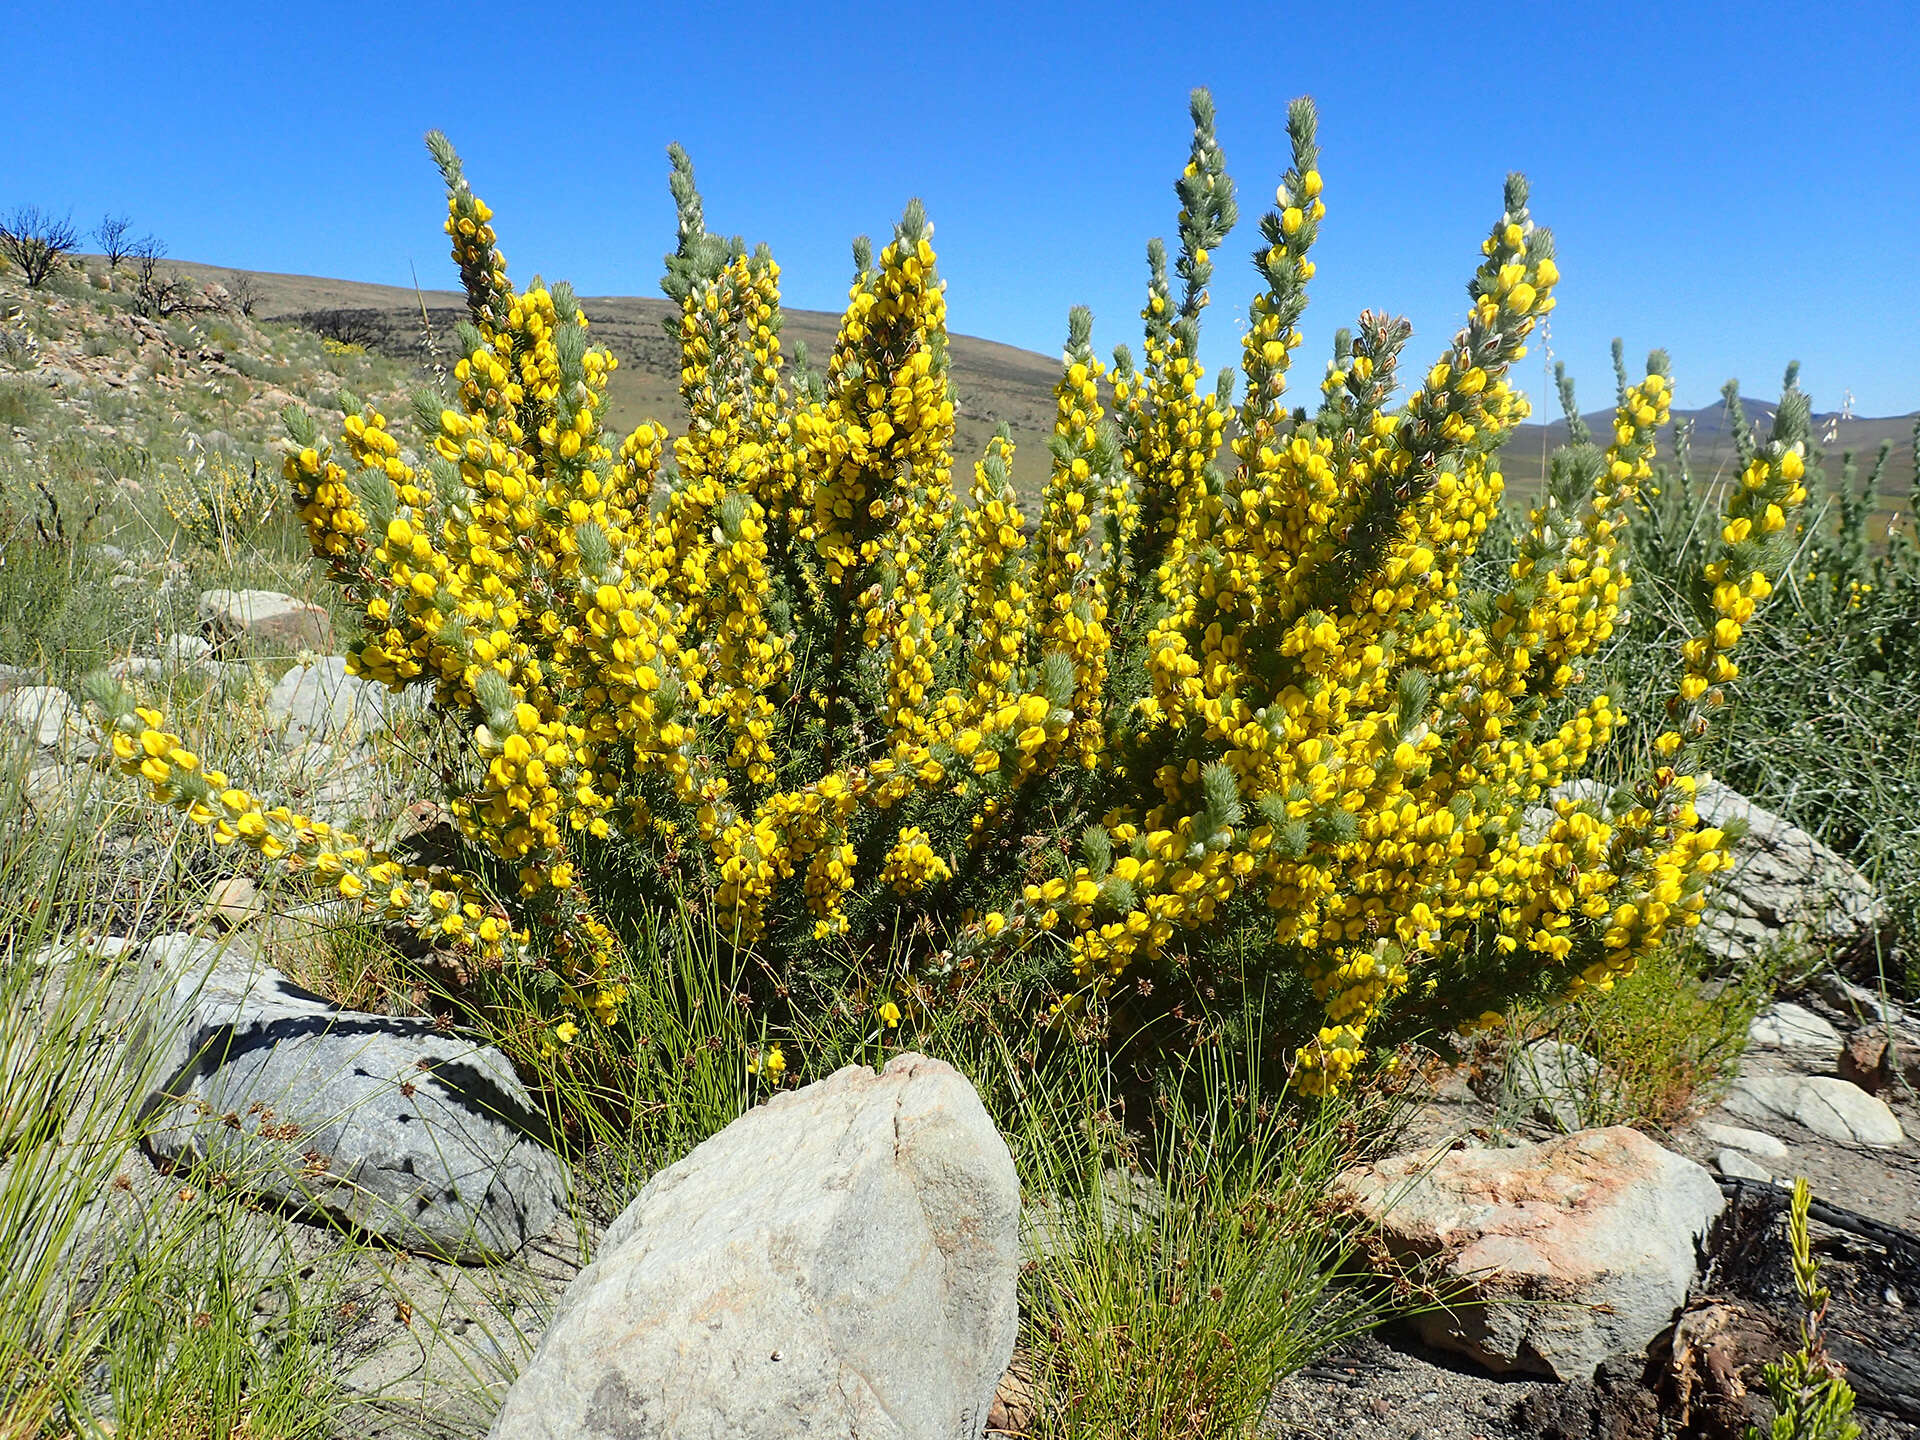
column 22, row 404
column 1668, row 1037
column 1186, row 1261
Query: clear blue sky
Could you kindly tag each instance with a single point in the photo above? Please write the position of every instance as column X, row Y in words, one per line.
column 1739, row 183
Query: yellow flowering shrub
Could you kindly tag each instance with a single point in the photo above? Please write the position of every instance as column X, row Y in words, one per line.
column 1222, row 681
column 217, row 502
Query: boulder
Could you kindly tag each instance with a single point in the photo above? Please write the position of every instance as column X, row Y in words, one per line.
column 1559, row 1254
column 1783, row 885
column 1558, row 1084
column 1784, row 1025
column 48, row 718
column 1832, row 1108
column 265, row 619
column 320, row 702
column 841, row 1261
column 1736, row 1137
column 408, row 1132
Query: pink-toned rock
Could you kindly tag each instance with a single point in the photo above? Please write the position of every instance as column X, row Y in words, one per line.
column 234, row 902
column 1864, row 1061
column 265, row 619
column 1560, row 1254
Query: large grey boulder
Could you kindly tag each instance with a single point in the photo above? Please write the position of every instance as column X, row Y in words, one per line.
column 1559, row 1254
column 841, row 1261
column 265, row 619
column 410, row 1133
column 1782, row 885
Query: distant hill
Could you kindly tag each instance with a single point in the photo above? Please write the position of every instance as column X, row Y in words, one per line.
column 993, row 382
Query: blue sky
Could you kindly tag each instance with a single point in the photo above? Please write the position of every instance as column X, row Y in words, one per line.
column 1740, row 184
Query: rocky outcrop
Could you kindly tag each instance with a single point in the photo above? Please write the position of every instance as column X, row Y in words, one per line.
column 410, row 1133
column 840, row 1261
column 1558, row 1254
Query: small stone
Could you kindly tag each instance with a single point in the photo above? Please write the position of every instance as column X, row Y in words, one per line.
column 1830, row 1107
column 235, row 901
column 1738, row 1165
column 137, row 669
column 1754, row 1142
column 265, row 619
column 1784, row 1025
column 1864, row 1060
column 181, row 651
column 1014, row 1407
